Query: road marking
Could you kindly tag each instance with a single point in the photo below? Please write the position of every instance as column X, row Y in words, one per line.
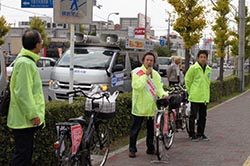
column 247, row 162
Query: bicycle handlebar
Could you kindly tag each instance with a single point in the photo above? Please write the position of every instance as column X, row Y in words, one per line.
column 77, row 90
column 176, row 88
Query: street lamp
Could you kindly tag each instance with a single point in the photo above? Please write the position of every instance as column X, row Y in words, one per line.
column 116, row 13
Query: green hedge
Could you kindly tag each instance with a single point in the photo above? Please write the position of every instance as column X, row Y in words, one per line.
column 58, row 112
column 228, row 86
column 61, row 111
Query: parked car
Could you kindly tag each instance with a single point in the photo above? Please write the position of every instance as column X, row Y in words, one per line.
column 164, row 63
column 214, row 65
column 44, row 65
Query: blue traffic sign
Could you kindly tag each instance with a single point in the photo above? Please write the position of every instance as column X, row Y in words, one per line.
column 162, row 42
column 37, row 4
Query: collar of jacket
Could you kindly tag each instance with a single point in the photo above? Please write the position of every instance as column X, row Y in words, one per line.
column 25, row 52
column 197, row 65
column 143, row 68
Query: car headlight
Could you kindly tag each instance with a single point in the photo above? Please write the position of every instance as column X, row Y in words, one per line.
column 104, row 87
column 54, row 84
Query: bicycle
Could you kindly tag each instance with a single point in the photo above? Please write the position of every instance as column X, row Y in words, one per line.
column 182, row 107
column 164, row 122
column 86, row 143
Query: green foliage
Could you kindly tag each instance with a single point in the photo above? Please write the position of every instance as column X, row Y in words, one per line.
column 37, row 24
column 190, row 22
column 228, row 86
column 220, row 28
column 163, row 51
column 4, row 29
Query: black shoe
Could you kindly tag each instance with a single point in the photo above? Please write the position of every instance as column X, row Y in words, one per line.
column 194, row 138
column 150, row 152
column 132, row 154
column 204, row 138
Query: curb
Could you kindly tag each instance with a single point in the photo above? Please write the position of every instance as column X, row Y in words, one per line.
column 124, row 148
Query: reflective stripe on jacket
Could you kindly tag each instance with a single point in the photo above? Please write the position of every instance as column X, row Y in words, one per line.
column 198, row 83
column 142, row 102
column 27, row 99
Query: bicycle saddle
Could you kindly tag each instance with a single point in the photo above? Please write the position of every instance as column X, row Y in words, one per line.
column 162, row 103
column 79, row 120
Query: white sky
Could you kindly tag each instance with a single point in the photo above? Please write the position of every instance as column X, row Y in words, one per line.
column 127, row 8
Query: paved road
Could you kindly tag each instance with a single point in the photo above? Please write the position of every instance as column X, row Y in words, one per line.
column 228, row 128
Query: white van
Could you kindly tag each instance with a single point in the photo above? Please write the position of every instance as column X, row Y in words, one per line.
column 94, row 64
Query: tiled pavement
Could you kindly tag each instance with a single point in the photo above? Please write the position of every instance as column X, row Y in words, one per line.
column 228, row 127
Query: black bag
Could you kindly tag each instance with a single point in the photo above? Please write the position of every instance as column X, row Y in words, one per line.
column 175, row 101
column 5, row 101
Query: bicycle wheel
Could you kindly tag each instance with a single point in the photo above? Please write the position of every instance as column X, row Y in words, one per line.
column 64, row 152
column 187, row 126
column 169, row 138
column 159, row 139
column 100, row 144
column 184, row 118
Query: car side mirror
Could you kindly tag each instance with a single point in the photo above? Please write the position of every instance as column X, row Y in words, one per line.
column 52, row 63
column 118, row 67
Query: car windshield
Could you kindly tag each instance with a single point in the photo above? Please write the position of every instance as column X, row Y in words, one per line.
column 87, row 58
column 164, row 61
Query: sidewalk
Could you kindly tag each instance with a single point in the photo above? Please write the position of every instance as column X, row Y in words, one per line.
column 228, row 128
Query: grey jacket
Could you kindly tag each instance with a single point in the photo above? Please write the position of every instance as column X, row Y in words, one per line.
column 173, row 72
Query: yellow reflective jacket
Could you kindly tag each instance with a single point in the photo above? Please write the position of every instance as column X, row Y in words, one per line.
column 143, row 103
column 198, row 83
column 27, row 99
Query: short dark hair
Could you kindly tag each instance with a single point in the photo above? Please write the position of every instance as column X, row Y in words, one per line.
column 202, row 52
column 148, row 53
column 30, row 39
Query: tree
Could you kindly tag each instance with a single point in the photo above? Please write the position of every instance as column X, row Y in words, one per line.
column 221, row 30
column 4, row 29
column 189, row 24
column 163, row 51
column 37, row 24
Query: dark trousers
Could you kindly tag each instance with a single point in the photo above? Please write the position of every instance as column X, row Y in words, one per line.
column 135, row 128
column 24, row 138
column 201, row 109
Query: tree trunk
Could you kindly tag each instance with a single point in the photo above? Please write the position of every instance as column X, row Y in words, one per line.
column 187, row 59
column 221, row 69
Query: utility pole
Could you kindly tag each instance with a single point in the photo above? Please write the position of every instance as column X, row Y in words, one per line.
column 145, row 26
column 241, row 51
column 169, row 16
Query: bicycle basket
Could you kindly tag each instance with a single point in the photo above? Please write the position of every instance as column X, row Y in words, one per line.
column 175, row 101
column 105, row 108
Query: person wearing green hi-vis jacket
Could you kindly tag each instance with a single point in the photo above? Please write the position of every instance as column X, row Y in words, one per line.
column 197, row 81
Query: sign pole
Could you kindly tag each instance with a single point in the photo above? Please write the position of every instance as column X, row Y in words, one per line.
column 71, row 67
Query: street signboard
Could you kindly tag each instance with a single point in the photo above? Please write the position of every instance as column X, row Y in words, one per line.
column 73, row 11
column 37, row 4
column 142, row 44
column 162, row 42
